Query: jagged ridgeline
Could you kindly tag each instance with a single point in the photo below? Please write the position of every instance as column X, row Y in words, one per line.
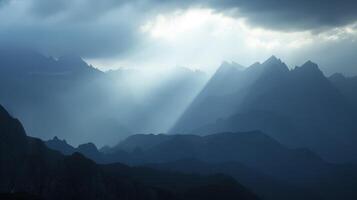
column 30, row 170
column 299, row 107
column 66, row 97
column 270, row 131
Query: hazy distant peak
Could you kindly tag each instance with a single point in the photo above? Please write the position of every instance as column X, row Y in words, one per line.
column 255, row 64
column 337, row 77
column 185, row 70
column 272, row 60
column 309, row 67
column 226, row 64
column 310, row 64
column 238, row 66
column 227, row 67
column 88, row 146
column 274, row 65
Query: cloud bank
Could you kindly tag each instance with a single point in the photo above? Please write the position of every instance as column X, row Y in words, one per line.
column 113, row 29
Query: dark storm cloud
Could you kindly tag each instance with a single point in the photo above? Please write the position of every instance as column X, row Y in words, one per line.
column 87, row 40
column 84, row 27
column 46, row 8
column 273, row 14
column 84, row 9
column 293, row 14
column 95, row 28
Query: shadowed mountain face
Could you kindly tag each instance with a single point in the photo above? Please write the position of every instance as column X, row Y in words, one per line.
column 298, row 107
column 28, row 166
column 71, row 99
column 219, row 98
column 347, row 86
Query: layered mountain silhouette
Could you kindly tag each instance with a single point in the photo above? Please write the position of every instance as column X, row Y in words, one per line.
column 26, row 62
column 252, row 153
column 66, row 97
column 298, row 107
column 89, row 150
column 278, row 132
column 29, row 169
column 257, row 161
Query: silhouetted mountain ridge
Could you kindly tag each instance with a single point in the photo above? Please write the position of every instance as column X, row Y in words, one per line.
column 28, row 166
column 67, row 97
column 251, row 152
column 60, row 145
column 298, row 107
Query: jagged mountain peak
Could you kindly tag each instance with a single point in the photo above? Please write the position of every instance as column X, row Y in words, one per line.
column 56, row 139
column 272, row 60
column 274, row 64
column 60, row 145
column 310, row 65
column 309, row 68
column 229, row 66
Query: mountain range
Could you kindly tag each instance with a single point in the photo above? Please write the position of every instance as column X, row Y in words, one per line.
column 256, row 160
column 299, row 107
column 67, row 97
column 27, row 166
column 265, row 131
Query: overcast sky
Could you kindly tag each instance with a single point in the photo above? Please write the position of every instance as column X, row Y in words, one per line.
column 199, row 34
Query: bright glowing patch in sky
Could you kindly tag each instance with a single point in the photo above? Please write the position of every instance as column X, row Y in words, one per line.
column 206, row 38
column 202, row 39
column 183, row 24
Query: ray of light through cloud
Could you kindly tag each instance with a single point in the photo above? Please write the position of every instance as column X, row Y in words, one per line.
column 202, row 38
column 155, row 37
